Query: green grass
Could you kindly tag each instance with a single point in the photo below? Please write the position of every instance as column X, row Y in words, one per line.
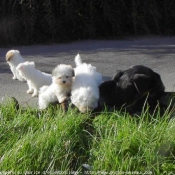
column 56, row 142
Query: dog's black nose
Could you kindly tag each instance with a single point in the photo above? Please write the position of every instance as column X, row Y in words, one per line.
column 64, row 81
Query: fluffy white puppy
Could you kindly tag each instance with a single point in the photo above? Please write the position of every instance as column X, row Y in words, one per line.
column 62, row 77
column 13, row 58
column 85, row 91
column 35, row 78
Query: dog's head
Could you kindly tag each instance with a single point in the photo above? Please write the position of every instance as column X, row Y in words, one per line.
column 85, row 98
column 11, row 54
column 137, row 81
column 25, row 68
column 109, row 96
column 63, row 74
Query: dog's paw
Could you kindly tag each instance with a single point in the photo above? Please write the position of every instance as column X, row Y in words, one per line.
column 34, row 95
column 63, row 99
column 14, row 78
column 21, row 79
column 29, row 91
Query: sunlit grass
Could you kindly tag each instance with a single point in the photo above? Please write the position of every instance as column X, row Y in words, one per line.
column 52, row 140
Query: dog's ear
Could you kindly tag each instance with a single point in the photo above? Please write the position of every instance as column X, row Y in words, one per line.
column 32, row 63
column 72, row 70
column 9, row 56
column 107, row 87
column 54, row 70
column 17, row 51
column 117, row 75
column 20, row 67
column 69, row 66
column 142, row 82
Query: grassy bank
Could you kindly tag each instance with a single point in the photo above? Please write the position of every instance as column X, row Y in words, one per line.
column 54, row 142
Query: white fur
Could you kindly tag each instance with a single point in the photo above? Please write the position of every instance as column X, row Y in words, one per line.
column 85, row 91
column 59, row 89
column 35, row 78
column 13, row 58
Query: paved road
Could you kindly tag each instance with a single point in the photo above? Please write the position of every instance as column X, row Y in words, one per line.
column 157, row 53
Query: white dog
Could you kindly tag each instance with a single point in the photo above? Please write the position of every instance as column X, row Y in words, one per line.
column 85, row 91
column 13, row 58
column 35, row 78
column 62, row 77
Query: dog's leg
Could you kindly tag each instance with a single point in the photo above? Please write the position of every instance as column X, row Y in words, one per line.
column 62, row 99
column 30, row 90
column 64, row 105
column 14, row 72
column 35, row 93
column 19, row 77
column 42, row 103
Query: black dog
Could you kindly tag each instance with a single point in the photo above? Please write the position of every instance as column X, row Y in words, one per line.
column 130, row 89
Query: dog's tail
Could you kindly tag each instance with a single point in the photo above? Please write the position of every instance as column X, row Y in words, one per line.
column 78, row 60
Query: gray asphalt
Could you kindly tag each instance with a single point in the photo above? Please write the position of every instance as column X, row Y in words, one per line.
column 108, row 56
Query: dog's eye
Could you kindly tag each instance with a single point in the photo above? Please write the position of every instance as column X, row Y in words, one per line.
column 67, row 77
column 59, row 77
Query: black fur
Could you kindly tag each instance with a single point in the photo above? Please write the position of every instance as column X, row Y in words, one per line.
column 130, row 88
